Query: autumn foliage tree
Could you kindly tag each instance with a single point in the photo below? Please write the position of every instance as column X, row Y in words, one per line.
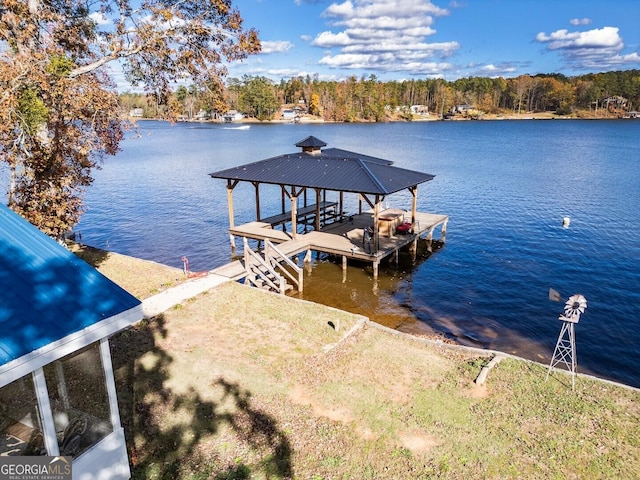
column 59, row 111
column 258, row 98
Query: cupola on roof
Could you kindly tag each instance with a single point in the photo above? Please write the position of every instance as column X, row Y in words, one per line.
column 329, row 169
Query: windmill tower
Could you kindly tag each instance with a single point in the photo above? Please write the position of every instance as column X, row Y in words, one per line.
column 565, row 351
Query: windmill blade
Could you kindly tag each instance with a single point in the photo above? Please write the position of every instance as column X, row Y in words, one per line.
column 554, row 295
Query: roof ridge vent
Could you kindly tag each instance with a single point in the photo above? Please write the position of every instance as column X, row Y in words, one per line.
column 311, row 145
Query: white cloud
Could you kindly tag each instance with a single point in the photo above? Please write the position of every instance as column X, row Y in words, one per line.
column 381, row 8
column 606, row 37
column 580, row 21
column 493, row 70
column 378, row 35
column 594, row 62
column 598, row 48
column 330, row 39
column 283, row 72
column 408, row 49
column 276, row 46
column 384, row 62
column 100, row 18
column 388, row 23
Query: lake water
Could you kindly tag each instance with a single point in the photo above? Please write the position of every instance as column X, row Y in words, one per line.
column 506, row 186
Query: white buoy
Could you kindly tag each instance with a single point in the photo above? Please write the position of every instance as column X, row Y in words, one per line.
column 565, row 222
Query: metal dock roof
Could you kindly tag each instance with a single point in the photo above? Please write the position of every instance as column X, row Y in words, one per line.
column 328, row 169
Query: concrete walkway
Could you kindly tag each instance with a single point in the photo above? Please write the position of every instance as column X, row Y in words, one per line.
column 170, row 297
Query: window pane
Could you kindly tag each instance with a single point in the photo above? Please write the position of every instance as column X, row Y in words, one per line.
column 79, row 400
column 20, row 426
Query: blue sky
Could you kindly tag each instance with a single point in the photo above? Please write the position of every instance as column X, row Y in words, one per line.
column 402, row 39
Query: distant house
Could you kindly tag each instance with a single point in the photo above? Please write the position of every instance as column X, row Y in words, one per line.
column 420, row 109
column 136, row 112
column 289, row 114
column 57, row 390
column 615, row 102
column 464, row 108
column 203, row 115
column 232, row 116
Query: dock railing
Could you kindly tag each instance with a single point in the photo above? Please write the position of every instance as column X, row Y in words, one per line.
column 260, row 273
column 278, row 260
column 271, row 271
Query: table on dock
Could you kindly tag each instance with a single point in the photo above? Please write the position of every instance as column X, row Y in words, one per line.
column 388, row 221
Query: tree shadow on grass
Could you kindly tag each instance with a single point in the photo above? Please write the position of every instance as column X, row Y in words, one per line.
column 169, row 434
column 259, row 430
column 93, row 256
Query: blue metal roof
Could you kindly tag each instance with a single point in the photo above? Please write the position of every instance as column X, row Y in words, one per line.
column 46, row 292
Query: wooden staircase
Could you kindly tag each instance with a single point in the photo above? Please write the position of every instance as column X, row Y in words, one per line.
column 274, row 271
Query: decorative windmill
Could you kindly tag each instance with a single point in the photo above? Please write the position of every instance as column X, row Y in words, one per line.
column 565, row 351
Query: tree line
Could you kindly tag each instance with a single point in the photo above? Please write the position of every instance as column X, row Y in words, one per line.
column 369, row 99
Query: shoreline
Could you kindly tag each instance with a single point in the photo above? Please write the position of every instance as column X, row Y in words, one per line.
column 175, row 288
column 416, row 119
column 436, row 339
column 489, row 325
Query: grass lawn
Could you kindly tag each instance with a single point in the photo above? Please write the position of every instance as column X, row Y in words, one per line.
column 237, row 384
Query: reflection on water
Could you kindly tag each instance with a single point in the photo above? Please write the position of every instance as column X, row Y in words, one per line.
column 355, row 290
column 390, row 301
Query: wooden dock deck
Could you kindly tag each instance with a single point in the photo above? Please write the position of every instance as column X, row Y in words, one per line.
column 260, row 231
column 345, row 238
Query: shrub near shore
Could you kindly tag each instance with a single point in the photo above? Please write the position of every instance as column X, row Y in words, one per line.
column 240, row 384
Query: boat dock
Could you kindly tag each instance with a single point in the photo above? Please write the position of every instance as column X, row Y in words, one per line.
column 314, row 182
column 345, row 238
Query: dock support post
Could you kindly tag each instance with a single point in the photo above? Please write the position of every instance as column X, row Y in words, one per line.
column 294, row 216
column 232, row 239
column 376, row 265
column 444, row 231
column 344, row 269
column 376, row 224
column 414, row 205
column 413, row 246
column 230, row 186
column 430, row 241
column 395, row 257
